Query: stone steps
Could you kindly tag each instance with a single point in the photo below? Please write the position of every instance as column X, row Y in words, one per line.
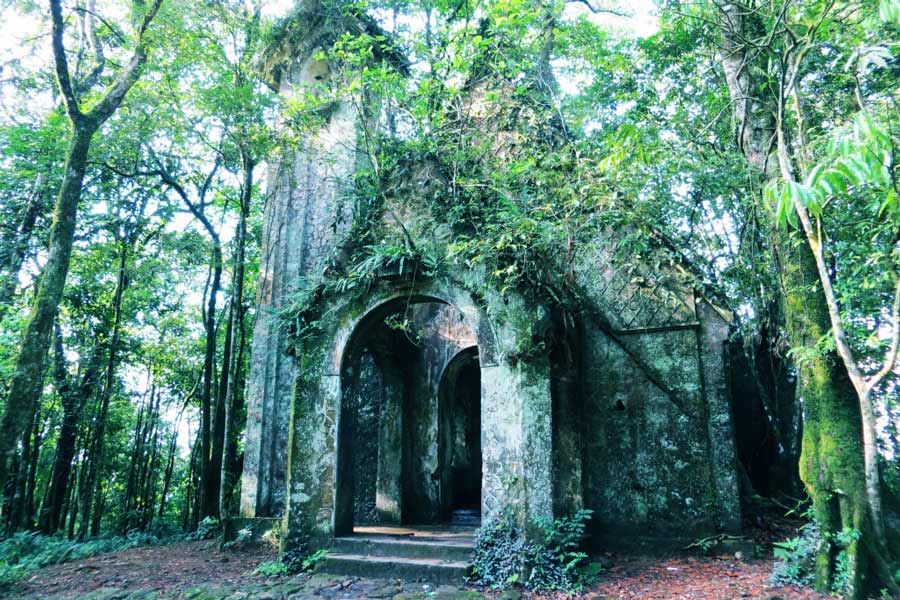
column 421, row 554
column 370, row 546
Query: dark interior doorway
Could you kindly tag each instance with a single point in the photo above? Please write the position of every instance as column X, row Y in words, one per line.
column 460, row 438
column 409, row 431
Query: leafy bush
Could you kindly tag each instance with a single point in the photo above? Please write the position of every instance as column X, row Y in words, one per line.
column 797, row 557
column 557, row 562
column 24, row 552
column 207, row 529
column 244, row 536
column 297, row 560
column 301, row 560
column 271, row 568
column 550, row 560
column 500, row 554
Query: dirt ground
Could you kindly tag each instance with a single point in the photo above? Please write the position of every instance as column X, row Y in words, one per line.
column 200, row 571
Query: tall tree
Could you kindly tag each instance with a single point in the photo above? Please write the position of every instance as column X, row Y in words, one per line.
column 765, row 52
column 27, row 382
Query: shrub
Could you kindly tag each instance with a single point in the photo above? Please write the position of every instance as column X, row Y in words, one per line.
column 796, row 557
column 271, row 568
column 550, row 560
column 297, row 560
column 244, row 536
column 500, row 554
column 301, row 560
column 557, row 562
column 207, row 529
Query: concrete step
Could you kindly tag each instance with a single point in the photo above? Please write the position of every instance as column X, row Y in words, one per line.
column 419, row 547
column 466, row 517
column 437, row 571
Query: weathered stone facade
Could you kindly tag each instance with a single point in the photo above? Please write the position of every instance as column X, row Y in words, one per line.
column 633, row 423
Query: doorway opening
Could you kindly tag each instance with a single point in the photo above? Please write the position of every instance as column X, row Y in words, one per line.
column 460, row 439
column 409, row 429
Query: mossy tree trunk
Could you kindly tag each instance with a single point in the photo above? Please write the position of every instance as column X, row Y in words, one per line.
column 12, row 254
column 234, row 399
column 832, row 464
column 27, row 381
column 831, row 461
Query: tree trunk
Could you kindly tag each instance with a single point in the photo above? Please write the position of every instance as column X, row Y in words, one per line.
column 28, row 378
column 170, row 467
column 209, row 481
column 218, row 445
column 94, row 475
column 28, row 520
column 831, row 465
column 14, row 256
column 234, row 395
column 137, row 453
column 17, row 505
column 148, row 494
column 53, row 512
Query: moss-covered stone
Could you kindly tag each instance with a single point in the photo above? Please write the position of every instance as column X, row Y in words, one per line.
column 601, row 385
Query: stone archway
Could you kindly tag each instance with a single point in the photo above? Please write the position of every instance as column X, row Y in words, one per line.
column 459, row 438
column 389, row 466
column 515, row 413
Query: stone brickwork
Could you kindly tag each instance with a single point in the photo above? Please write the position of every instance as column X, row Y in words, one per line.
column 305, row 218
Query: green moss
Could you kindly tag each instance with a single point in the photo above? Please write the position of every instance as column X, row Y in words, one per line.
column 831, row 462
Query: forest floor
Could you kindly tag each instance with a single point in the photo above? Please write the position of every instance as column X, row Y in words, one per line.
column 201, row 571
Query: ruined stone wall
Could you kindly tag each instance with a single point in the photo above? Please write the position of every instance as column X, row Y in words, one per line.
column 658, row 459
column 305, row 218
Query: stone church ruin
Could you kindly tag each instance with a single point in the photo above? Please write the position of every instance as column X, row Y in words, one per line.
column 428, row 398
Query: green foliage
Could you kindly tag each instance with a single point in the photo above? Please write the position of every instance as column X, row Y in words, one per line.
column 297, row 560
column 550, row 560
column 207, row 529
column 859, row 156
column 890, row 10
column 244, row 536
column 303, row 561
column 271, row 568
column 500, row 554
column 24, row 552
column 796, row 557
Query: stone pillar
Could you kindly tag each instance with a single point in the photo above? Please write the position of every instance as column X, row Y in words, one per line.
column 305, row 218
column 713, row 335
column 312, row 460
column 516, row 441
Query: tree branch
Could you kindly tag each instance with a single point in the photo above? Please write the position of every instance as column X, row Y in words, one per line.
column 597, row 10
column 891, row 359
column 61, row 64
column 129, row 75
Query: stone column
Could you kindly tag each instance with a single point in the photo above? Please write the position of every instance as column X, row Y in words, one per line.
column 712, row 337
column 516, row 441
column 311, row 462
column 305, row 218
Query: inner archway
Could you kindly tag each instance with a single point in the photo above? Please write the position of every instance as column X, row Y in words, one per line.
column 391, row 463
column 460, row 439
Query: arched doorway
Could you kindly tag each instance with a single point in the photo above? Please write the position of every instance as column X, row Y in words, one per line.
column 400, row 362
column 459, row 450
